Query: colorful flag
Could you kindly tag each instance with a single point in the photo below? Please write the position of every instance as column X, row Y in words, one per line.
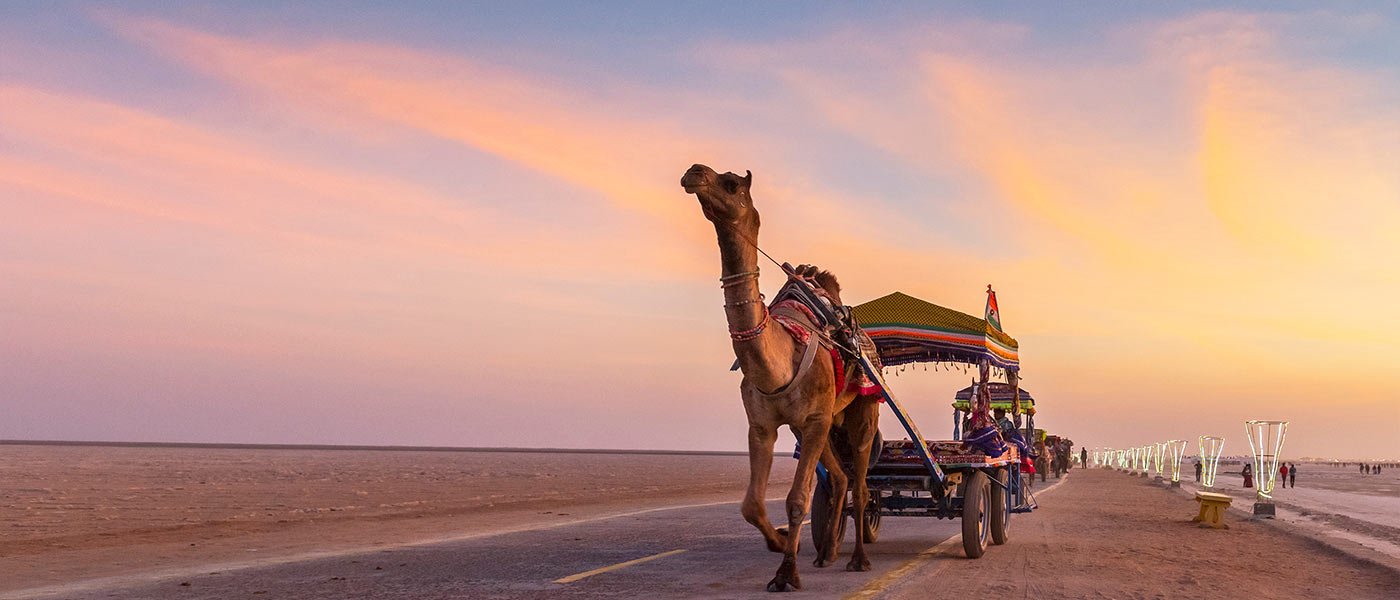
column 993, row 315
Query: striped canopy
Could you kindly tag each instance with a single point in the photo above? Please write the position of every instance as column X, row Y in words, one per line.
column 1001, row 398
column 907, row 329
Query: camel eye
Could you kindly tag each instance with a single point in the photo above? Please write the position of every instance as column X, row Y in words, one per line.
column 730, row 185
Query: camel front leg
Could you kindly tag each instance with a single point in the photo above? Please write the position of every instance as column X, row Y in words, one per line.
column 761, row 439
column 814, row 438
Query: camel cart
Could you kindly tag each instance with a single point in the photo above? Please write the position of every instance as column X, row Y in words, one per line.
column 1004, row 398
column 944, row 479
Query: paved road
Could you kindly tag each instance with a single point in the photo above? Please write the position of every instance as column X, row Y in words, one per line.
column 704, row 551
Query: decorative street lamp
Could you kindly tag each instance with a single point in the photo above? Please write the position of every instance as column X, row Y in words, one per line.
column 1159, row 452
column 1266, row 442
column 1210, row 447
column 1146, row 460
column 1176, row 449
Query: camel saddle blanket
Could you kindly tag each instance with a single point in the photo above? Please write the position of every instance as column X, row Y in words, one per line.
column 801, row 322
column 790, row 309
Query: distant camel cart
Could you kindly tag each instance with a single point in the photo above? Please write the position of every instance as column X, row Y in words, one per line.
column 946, row 479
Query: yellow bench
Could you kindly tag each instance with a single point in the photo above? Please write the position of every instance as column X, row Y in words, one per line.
column 1213, row 507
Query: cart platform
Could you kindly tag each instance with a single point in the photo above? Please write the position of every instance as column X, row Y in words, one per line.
column 945, row 453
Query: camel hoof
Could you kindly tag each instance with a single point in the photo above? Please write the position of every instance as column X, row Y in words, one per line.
column 778, row 584
column 858, row 565
column 822, row 563
column 786, row 579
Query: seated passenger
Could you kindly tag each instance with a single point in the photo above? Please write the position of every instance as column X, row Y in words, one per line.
column 1003, row 423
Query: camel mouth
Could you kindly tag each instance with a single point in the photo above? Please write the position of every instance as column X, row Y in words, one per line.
column 696, row 177
column 694, row 181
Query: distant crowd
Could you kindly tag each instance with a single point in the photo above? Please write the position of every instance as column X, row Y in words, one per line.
column 1370, row 469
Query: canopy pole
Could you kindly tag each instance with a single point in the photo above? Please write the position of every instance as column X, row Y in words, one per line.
column 981, row 406
column 1013, row 378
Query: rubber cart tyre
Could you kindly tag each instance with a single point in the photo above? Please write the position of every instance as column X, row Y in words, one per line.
column 1001, row 515
column 977, row 514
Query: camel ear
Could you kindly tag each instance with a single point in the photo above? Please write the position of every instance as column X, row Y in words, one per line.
column 748, row 179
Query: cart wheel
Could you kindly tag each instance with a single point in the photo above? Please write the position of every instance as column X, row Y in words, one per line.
column 872, row 518
column 822, row 509
column 1001, row 516
column 976, row 515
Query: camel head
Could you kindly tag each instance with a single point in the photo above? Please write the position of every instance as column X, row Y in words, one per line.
column 724, row 198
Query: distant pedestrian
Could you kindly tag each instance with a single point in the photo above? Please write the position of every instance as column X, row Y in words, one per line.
column 1084, row 457
column 1248, row 473
column 1292, row 475
column 1282, row 474
column 1198, row 471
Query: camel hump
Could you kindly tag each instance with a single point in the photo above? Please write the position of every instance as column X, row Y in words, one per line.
column 824, row 280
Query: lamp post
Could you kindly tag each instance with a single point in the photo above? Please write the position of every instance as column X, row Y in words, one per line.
column 1210, row 447
column 1176, row 449
column 1146, row 461
column 1266, row 443
column 1159, row 451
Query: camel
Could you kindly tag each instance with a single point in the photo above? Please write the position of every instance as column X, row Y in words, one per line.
column 772, row 391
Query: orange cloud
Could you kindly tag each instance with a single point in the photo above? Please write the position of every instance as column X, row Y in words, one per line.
column 586, row 141
column 142, row 163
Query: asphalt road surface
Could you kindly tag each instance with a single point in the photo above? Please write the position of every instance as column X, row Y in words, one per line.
column 698, row 551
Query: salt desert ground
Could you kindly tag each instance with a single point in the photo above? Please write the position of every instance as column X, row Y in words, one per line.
column 137, row 522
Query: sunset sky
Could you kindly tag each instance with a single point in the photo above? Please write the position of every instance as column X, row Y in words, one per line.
column 443, row 223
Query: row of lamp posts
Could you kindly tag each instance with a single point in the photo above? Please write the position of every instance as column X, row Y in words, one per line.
column 1265, row 444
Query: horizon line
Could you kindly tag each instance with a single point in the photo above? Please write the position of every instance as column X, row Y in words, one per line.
column 390, row 447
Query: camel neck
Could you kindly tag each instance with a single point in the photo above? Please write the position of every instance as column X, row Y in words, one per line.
column 737, row 251
column 738, row 257
column 765, row 360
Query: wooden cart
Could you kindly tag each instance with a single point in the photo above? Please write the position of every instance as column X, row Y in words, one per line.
column 936, row 478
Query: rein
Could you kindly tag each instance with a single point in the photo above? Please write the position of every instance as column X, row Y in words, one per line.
column 734, row 279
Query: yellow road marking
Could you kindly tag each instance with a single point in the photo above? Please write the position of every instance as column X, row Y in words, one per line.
column 621, row 565
column 879, row 584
